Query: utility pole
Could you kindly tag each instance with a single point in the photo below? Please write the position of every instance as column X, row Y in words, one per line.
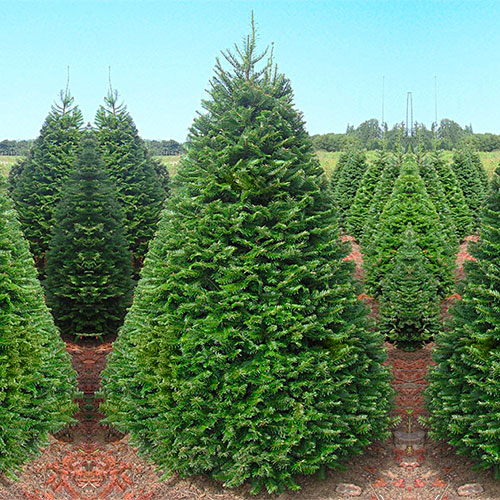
column 409, row 110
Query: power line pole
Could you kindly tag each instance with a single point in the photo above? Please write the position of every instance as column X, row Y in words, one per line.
column 409, row 110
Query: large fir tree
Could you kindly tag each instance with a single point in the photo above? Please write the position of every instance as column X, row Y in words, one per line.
column 357, row 214
column 89, row 282
column 37, row 383
column 130, row 166
column 459, row 210
column 464, row 392
column 409, row 203
column 246, row 354
column 37, row 189
column 409, row 305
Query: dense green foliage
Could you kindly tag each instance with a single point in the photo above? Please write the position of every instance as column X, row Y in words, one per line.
column 37, row 189
column 15, row 148
column 357, row 214
column 382, row 192
column 373, row 135
column 89, row 282
column 459, row 211
column 130, row 166
column 246, row 354
column 483, row 176
column 470, row 182
column 409, row 203
column 464, row 387
column 409, row 305
column 164, row 147
column 37, row 383
column 339, row 167
column 348, row 182
column 435, row 190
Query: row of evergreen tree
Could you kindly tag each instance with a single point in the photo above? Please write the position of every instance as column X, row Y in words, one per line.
column 89, row 202
column 246, row 353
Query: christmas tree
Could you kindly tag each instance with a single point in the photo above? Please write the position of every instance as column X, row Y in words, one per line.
column 459, row 210
column 129, row 165
column 37, row 189
column 89, row 282
column 348, row 182
column 246, row 354
column 36, row 379
column 409, row 203
column 357, row 214
column 464, row 388
column 470, row 182
column 409, row 312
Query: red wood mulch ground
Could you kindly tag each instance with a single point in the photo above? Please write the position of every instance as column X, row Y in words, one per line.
column 89, row 462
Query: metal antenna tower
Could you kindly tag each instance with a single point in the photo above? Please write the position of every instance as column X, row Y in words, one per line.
column 409, row 110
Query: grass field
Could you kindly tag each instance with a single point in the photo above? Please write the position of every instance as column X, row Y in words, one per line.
column 328, row 160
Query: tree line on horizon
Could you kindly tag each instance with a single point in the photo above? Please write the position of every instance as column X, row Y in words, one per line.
column 157, row 147
column 372, row 134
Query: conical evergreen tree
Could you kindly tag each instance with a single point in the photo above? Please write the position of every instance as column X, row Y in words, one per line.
column 337, row 171
column 37, row 383
column 483, row 176
column 246, row 354
column 435, row 190
column 15, row 172
column 464, row 391
column 409, row 305
column 460, row 213
column 382, row 193
column 348, row 182
column 129, row 164
column 357, row 215
column 469, row 181
column 38, row 188
column 409, row 203
column 89, row 283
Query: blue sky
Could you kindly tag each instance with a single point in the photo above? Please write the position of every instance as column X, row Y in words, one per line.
column 162, row 55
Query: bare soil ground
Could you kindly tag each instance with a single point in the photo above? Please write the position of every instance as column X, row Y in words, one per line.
column 91, row 462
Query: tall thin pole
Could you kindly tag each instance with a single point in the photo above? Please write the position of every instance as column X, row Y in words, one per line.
column 411, row 104
column 435, row 101
column 383, row 99
column 407, row 104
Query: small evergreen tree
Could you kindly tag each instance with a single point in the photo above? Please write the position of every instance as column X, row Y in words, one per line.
column 337, row 171
column 464, row 387
column 15, row 172
column 129, row 165
column 89, row 282
column 409, row 305
column 37, row 383
column 436, row 193
column 246, row 354
column 348, row 182
column 409, row 203
column 459, row 210
column 381, row 194
column 470, row 182
column 37, row 190
column 483, row 176
column 358, row 212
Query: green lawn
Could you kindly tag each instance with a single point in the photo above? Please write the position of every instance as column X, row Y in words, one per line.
column 6, row 162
